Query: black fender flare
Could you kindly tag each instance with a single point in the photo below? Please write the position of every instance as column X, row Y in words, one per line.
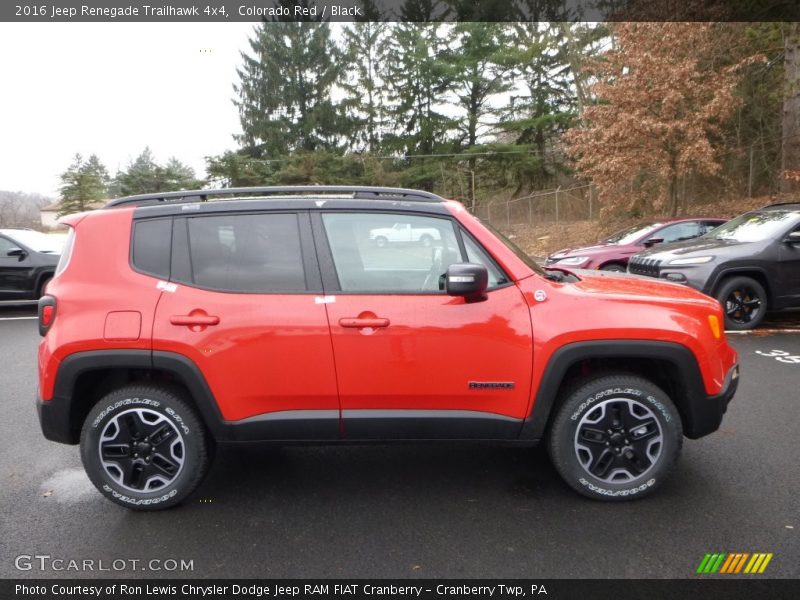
column 680, row 357
column 57, row 415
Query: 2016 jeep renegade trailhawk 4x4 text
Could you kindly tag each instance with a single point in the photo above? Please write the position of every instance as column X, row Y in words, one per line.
column 173, row 323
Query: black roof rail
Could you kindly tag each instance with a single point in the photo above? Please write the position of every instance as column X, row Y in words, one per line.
column 357, row 192
column 776, row 204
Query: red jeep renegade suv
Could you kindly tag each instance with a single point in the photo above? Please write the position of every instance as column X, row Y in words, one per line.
column 174, row 322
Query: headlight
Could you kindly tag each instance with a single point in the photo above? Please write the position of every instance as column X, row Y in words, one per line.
column 694, row 260
column 572, row 260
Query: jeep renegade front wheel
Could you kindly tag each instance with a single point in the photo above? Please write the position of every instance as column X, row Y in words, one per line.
column 144, row 447
column 615, row 438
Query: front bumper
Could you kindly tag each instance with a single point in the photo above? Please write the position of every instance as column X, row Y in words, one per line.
column 705, row 415
column 694, row 276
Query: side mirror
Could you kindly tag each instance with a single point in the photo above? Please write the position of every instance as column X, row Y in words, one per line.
column 468, row 280
column 653, row 241
column 793, row 238
column 17, row 252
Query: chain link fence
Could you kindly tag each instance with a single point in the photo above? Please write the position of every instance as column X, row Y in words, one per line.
column 577, row 203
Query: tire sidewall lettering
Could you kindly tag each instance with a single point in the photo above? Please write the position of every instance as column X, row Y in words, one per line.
column 143, row 402
column 139, row 501
column 628, row 393
column 618, row 493
column 146, row 402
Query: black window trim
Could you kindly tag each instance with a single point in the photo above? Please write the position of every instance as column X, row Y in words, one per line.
column 463, row 232
column 330, row 277
column 311, row 267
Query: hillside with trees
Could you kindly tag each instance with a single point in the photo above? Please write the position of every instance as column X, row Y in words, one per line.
column 659, row 117
column 651, row 118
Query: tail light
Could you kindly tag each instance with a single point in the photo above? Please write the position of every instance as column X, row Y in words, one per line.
column 47, row 313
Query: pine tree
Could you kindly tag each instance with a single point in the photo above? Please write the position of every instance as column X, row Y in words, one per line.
column 141, row 176
column 418, row 77
column 82, row 184
column 477, row 77
column 364, row 49
column 543, row 105
column 145, row 176
column 177, row 176
column 284, row 89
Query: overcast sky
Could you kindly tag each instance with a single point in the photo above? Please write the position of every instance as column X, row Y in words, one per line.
column 111, row 89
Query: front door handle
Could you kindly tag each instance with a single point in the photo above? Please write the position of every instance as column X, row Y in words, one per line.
column 360, row 322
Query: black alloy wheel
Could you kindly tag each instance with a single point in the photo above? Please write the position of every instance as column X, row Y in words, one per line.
column 744, row 302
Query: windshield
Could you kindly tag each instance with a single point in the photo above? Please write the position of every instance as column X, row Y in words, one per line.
column 631, row 234
column 38, row 242
column 754, row 227
column 523, row 256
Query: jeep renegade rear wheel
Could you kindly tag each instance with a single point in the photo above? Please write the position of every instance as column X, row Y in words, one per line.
column 144, row 447
column 615, row 438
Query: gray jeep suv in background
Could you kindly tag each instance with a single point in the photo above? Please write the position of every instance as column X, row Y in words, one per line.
column 750, row 264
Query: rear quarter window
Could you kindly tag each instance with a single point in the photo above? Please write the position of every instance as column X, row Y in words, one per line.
column 152, row 240
column 66, row 253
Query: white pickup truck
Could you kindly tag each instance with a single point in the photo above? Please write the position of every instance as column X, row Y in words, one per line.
column 404, row 232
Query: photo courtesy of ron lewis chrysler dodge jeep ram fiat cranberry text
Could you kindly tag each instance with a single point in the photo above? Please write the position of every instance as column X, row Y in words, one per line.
column 174, row 322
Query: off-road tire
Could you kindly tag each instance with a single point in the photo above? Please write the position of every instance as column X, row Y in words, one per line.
column 178, row 455
column 650, row 430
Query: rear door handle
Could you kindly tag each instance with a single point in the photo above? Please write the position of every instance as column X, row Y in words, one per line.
column 194, row 320
column 364, row 322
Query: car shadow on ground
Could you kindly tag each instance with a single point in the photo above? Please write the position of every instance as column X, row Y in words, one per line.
column 388, row 470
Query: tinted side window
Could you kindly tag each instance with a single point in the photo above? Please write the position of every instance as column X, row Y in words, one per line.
column 152, row 241
column 679, row 231
column 387, row 253
column 5, row 246
column 247, row 253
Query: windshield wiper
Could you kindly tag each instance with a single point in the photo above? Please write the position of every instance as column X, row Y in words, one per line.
column 557, row 276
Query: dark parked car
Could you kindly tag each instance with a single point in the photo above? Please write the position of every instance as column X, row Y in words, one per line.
column 751, row 264
column 28, row 260
column 612, row 254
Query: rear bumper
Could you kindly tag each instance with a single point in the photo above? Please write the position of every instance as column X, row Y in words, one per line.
column 54, row 419
column 706, row 414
